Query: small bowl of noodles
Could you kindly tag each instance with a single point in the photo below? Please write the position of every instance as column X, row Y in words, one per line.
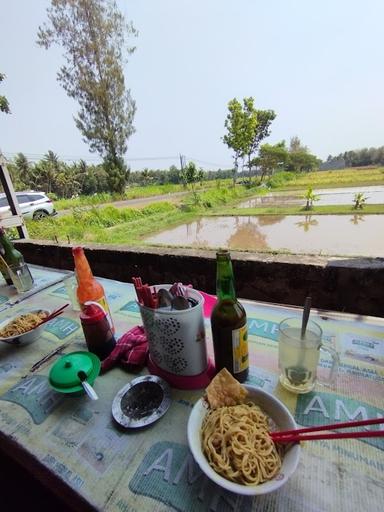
column 24, row 328
column 228, row 438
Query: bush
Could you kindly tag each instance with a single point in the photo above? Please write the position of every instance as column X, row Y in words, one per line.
column 280, row 178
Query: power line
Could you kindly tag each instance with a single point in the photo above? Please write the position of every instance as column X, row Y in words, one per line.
column 210, row 163
column 34, row 157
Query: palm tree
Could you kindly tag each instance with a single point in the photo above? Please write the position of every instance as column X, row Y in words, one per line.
column 23, row 168
column 47, row 171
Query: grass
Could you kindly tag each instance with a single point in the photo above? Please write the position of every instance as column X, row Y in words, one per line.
column 352, row 177
column 131, row 193
column 95, row 224
column 110, row 225
column 300, row 210
column 134, row 192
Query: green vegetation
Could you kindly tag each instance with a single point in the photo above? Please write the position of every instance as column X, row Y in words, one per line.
column 4, row 105
column 352, row 177
column 246, row 127
column 94, row 38
column 300, row 210
column 110, row 225
column 131, row 226
column 94, row 224
column 310, row 197
column 130, row 193
column 359, row 201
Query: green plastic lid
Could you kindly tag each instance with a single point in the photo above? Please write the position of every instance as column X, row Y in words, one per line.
column 63, row 376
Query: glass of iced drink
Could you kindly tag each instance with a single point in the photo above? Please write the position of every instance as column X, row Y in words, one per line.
column 299, row 356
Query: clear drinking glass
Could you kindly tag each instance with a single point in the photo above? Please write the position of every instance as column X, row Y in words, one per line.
column 299, row 358
column 21, row 277
column 71, row 287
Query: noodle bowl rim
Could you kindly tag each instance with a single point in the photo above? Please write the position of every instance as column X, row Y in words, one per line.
column 275, row 408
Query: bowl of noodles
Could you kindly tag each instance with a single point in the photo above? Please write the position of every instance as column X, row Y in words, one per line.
column 230, row 443
column 24, row 328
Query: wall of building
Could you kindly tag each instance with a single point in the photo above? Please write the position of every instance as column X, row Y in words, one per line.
column 354, row 285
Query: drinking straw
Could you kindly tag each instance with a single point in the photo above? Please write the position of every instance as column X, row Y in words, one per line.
column 306, row 312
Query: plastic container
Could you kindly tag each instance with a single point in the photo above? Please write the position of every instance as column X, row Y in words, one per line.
column 176, row 338
column 97, row 330
column 64, row 374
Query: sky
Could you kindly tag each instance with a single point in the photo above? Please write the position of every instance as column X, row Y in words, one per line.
column 317, row 64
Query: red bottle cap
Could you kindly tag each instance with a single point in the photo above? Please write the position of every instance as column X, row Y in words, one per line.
column 92, row 313
column 76, row 250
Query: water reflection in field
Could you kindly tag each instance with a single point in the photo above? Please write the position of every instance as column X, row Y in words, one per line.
column 335, row 196
column 359, row 235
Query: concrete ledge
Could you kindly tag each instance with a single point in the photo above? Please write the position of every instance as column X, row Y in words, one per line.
column 354, row 285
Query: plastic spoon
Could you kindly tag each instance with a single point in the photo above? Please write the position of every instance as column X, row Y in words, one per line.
column 180, row 302
column 86, row 385
column 298, row 374
column 164, row 297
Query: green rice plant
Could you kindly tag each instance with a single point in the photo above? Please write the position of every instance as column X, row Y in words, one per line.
column 310, row 197
column 359, row 201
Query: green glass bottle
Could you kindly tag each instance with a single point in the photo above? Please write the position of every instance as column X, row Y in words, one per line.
column 10, row 254
column 229, row 322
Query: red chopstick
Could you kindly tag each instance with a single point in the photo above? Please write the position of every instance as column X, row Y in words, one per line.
column 302, row 434
column 53, row 315
column 336, row 435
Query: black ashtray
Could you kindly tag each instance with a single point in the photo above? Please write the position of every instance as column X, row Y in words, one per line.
column 141, row 402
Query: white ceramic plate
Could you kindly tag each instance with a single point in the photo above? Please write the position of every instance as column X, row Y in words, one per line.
column 283, row 419
column 27, row 337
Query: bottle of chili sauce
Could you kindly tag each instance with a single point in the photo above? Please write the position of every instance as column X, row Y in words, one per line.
column 89, row 289
column 229, row 323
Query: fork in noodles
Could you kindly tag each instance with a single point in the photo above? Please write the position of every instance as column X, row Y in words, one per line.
column 22, row 324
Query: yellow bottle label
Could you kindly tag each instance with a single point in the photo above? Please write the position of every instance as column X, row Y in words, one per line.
column 240, row 349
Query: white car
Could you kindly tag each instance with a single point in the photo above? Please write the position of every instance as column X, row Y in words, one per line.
column 33, row 205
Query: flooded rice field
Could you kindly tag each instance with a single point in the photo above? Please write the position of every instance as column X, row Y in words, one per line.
column 345, row 235
column 335, row 196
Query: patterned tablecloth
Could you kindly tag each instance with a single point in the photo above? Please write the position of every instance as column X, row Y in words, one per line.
column 152, row 469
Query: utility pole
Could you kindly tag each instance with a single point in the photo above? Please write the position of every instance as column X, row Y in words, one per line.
column 182, row 167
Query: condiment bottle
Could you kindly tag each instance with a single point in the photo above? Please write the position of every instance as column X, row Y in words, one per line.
column 89, row 289
column 97, row 330
column 10, row 254
column 229, row 322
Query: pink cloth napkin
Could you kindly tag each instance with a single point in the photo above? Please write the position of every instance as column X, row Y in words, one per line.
column 209, row 303
column 130, row 352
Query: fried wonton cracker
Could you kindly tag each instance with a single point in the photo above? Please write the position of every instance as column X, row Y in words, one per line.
column 225, row 390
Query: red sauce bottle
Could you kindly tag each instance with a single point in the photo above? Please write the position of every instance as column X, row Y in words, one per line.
column 97, row 330
column 89, row 289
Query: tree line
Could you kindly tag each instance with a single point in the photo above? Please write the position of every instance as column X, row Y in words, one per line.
column 65, row 180
column 355, row 158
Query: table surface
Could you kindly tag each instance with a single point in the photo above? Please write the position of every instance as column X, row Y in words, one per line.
column 77, row 443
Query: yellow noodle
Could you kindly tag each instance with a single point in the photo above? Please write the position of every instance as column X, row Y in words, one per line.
column 22, row 324
column 236, row 443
